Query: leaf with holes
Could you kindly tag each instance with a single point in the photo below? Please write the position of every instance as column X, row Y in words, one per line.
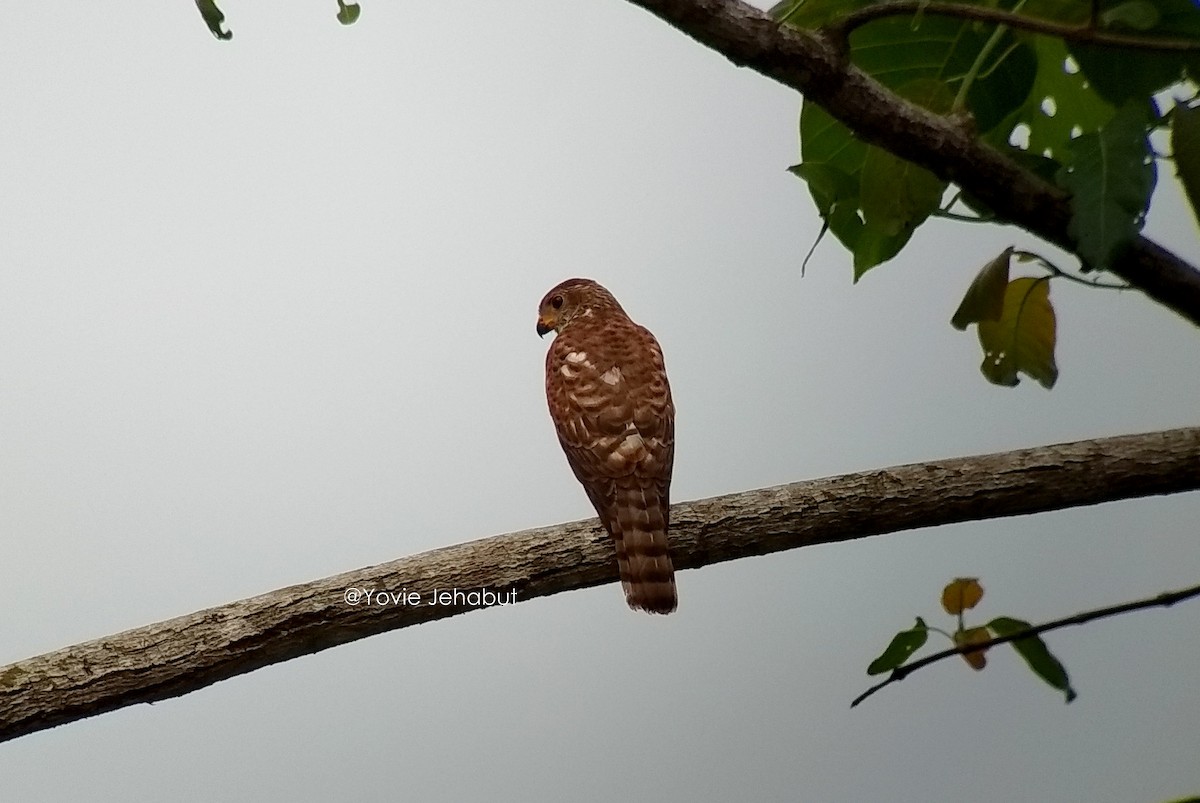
column 903, row 645
column 925, row 61
column 1185, row 145
column 1035, row 653
column 1060, row 104
column 984, row 300
column 1110, row 175
column 1022, row 341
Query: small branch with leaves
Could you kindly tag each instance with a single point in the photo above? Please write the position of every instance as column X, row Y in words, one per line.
column 965, row 593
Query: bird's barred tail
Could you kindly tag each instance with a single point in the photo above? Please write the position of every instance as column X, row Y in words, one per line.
column 642, row 557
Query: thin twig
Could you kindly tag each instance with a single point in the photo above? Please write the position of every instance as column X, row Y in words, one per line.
column 946, row 211
column 948, row 215
column 1057, row 271
column 1164, row 600
column 843, row 26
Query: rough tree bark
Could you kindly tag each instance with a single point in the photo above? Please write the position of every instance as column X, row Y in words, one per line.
column 815, row 64
column 180, row 655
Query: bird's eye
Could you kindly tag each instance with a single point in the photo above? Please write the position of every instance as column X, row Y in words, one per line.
column 556, row 302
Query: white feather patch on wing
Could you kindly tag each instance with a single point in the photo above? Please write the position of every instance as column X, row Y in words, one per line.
column 612, row 376
column 629, row 449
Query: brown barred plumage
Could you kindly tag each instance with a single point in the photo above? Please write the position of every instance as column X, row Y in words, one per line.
column 607, row 389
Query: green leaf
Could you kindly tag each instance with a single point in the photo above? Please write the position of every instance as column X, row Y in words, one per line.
column 1059, row 106
column 984, row 300
column 898, row 51
column 836, row 195
column 846, row 176
column 1140, row 15
column 875, row 246
column 1035, row 653
column 1022, row 341
column 213, row 18
column 828, row 185
column 925, row 60
column 896, row 196
column 833, row 161
column 1110, row 175
column 1178, row 18
column 903, row 645
column 1120, row 76
column 348, row 14
column 1124, row 74
column 1185, row 145
column 824, row 140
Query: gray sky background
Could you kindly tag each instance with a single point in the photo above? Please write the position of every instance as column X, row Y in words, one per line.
column 267, row 315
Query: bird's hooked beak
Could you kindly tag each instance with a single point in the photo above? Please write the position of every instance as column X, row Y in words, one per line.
column 543, row 327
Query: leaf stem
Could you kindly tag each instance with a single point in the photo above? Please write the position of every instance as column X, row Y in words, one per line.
column 939, row 630
column 948, row 215
column 1055, row 270
column 960, row 100
column 945, row 212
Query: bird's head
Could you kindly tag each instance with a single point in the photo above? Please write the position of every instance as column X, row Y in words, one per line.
column 574, row 298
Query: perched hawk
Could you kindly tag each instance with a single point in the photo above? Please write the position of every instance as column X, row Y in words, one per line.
column 607, row 389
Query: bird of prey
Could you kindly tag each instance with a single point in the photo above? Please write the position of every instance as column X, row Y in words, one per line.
column 607, row 389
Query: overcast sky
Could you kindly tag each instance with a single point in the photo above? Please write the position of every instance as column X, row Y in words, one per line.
column 267, row 314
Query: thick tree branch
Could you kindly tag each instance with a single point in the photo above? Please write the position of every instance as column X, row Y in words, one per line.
column 814, row 63
column 1087, row 32
column 190, row 652
column 1164, row 600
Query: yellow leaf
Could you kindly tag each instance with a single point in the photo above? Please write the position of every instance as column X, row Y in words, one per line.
column 1023, row 339
column 976, row 635
column 984, row 300
column 962, row 594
